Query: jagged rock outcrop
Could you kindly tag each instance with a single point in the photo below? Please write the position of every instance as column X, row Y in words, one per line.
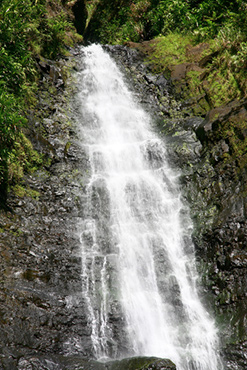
column 214, row 184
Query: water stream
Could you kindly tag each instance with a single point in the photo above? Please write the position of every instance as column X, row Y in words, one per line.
column 138, row 267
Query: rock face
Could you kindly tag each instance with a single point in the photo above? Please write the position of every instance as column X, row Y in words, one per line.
column 223, row 245
column 42, row 312
column 214, row 184
column 77, row 363
column 141, row 363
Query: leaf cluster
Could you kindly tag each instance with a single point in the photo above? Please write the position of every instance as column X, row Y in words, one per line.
column 204, row 16
column 27, row 29
column 126, row 20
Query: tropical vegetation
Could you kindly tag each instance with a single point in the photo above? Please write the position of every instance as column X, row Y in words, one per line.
column 28, row 29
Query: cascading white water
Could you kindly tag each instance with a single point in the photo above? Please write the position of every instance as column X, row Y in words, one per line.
column 137, row 257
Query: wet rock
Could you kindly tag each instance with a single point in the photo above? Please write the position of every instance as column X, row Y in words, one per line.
column 180, row 71
column 41, row 307
column 51, row 70
column 214, row 189
column 142, row 363
column 235, row 111
column 57, row 363
column 76, row 363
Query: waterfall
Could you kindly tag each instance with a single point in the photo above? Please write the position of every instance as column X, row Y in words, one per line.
column 138, row 266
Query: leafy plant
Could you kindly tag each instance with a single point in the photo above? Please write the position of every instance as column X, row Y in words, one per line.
column 27, row 28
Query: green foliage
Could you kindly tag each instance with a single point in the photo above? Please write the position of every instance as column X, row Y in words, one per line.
column 26, row 24
column 121, row 20
column 21, row 191
column 232, row 60
column 10, row 123
column 91, row 6
column 109, row 21
column 169, row 16
column 205, row 17
column 22, row 158
column 169, row 50
column 223, row 87
column 234, row 132
column 27, row 28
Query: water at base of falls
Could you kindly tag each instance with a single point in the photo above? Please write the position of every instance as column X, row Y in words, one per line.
column 138, row 268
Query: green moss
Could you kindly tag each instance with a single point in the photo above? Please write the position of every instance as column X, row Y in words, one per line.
column 220, row 79
column 33, row 193
column 168, row 50
column 23, row 158
column 66, row 149
column 17, row 232
column 21, row 191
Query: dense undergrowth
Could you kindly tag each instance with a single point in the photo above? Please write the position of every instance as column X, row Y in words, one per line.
column 28, row 29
